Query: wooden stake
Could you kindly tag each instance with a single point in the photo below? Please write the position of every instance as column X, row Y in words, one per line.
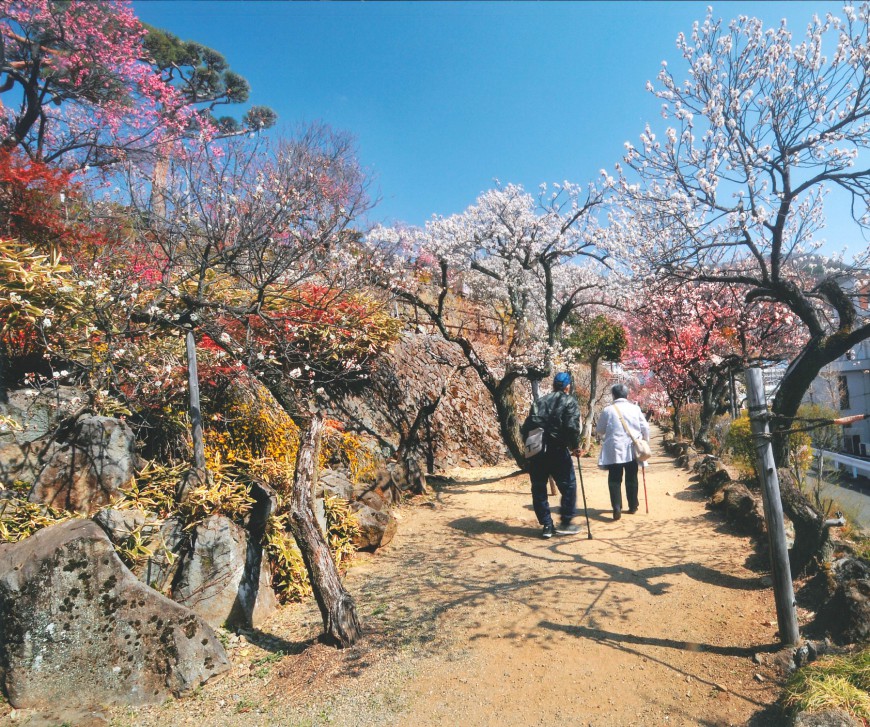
column 783, row 589
column 195, row 413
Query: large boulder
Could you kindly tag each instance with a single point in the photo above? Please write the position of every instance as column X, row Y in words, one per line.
column 740, row 506
column 376, row 527
column 217, row 577
column 89, row 470
column 77, row 628
column 21, row 462
column 846, row 614
column 121, row 524
column 826, row 718
column 164, row 540
column 334, row 483
column 167, row 544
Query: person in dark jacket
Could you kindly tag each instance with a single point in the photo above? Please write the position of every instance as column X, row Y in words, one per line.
column 558, row 415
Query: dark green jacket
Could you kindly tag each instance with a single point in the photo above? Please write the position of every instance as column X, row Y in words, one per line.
column 559, row 416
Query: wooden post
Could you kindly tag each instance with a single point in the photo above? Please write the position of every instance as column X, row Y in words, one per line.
column 735, row 409
column 783, row 590
column 195, row 413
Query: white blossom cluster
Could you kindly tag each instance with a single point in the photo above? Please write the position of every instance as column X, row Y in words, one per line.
column 531, row 260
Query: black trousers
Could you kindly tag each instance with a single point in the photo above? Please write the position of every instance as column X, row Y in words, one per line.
column 555, row 463
column 614, row 483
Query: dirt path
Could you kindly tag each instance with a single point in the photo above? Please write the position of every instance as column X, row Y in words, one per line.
column 473, row 619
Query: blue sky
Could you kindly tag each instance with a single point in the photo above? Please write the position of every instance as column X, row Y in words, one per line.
column 445, row 97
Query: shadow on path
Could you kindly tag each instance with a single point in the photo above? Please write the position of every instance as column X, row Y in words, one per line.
column 622, row 639
column 624, row 643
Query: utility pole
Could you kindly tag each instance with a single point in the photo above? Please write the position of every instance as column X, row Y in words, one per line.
column 783, row 589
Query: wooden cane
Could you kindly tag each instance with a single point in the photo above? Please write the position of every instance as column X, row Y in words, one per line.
column 645, row 498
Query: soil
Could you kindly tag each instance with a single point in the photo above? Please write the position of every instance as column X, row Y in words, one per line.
column 472, row 618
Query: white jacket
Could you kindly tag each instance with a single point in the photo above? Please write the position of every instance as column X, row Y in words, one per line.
column 615, row 443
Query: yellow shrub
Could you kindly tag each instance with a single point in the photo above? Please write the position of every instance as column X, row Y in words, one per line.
column 347, row 450
column 739, row 442
column 289, row 577
column 20, row 519
column 249, row 425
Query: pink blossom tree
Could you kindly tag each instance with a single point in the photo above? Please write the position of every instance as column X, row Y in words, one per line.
column 732, row 192
column 78, row 85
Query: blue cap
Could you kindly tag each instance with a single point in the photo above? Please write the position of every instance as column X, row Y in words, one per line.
column 562, row 380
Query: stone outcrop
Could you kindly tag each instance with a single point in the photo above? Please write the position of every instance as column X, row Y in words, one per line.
column 78, row 629
column 38, row 413
column 462, row 431
column 335, row 484
column 215, row 579
column 846, row 613
column 21, row 462
column 119, row 524
column 87, row 472
column 742, row 508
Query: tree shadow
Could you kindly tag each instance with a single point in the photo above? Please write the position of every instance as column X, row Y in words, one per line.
column 622, row 639
column 451, row 484
column 276, row 644
column 626, row 642
column 476, row 526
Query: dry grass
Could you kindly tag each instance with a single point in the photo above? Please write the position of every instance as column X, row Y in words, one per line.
column 834, row 682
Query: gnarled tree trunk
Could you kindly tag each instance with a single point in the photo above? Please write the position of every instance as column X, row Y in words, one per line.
column 712, row 392
column 586, row 434
column 337, row 608
column 811, row 535
column 509, row 424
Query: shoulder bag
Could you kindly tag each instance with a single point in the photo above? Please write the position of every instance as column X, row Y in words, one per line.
column 534, row 443
column 641, row 448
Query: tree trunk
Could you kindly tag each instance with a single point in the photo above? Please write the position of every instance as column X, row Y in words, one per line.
column 711, row 393
column 586, row 434
column 796, row 382
column 198, row 475
column 195, row 411
column 337, row 608
column 811, row 537
column 509, row 425
column 159, row 183
column 675, row 422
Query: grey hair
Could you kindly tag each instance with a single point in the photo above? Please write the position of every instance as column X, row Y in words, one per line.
column 619, row 391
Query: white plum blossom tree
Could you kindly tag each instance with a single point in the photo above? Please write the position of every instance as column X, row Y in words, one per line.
column 762, row 130
column 530, row 261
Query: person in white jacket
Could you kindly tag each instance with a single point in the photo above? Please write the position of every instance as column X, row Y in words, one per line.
column 617, row 454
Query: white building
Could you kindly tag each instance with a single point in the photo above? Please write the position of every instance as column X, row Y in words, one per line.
column 844, row 385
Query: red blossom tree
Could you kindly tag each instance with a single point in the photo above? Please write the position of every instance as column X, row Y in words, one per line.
column 696, row 337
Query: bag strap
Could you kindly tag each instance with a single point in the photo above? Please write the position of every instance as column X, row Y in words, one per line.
column 624, row 425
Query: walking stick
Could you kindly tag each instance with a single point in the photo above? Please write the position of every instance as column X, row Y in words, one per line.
column 583, row 490
column 645, row 498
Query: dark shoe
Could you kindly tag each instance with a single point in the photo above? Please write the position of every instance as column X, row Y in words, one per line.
column 617, row 514
column 548, row 531
column 632, row 511
column 568, row 529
